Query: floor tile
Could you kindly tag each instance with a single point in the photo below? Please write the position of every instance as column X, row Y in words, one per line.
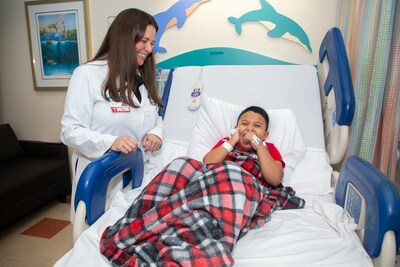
column 46, row 228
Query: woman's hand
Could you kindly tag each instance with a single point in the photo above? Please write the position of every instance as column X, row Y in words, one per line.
column 151, row 142
column 124, row 144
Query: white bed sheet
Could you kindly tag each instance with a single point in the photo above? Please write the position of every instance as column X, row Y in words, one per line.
column 321, row 234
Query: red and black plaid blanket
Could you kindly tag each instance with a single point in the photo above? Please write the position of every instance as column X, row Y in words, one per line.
column 192, row 214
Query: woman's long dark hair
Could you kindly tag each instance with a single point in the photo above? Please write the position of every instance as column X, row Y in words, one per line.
column 119, row 49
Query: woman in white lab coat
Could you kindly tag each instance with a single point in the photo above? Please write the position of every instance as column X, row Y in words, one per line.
column 100, row 115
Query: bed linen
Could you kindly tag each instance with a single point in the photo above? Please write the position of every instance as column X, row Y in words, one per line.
column 298, row 238
column 193, row 214
column 321, row 234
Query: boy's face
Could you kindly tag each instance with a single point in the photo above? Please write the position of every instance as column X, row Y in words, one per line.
column 251, row 122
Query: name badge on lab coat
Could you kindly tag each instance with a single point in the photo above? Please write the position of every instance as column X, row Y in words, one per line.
column 119, row 107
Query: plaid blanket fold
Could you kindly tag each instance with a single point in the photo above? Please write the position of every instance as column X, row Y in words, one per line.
column 192, row 214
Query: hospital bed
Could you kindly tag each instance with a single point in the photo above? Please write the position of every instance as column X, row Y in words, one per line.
column 351, row 218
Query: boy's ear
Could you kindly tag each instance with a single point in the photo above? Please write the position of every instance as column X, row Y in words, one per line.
column 266, row 133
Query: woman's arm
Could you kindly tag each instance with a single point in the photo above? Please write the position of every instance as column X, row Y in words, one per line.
column 77, row 118
column 158, row 128
column 154, row 138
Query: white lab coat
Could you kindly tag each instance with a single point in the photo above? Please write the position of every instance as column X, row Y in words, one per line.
column 89, row 126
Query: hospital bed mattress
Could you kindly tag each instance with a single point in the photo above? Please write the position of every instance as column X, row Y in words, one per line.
column 321, row 234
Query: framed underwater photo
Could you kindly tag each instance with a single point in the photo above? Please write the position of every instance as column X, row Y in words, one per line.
column 58, row 41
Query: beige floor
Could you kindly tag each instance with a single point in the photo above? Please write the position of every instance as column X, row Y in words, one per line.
column 22, row 250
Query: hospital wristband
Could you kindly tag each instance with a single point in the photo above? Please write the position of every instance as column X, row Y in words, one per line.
column 227, row 146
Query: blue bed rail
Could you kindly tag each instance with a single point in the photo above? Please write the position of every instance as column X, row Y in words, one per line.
column 382, row 201
column 165, row 96
column 339, row 76
column 92, row 185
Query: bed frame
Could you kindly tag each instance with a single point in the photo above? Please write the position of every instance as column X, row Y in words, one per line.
column 369, row 197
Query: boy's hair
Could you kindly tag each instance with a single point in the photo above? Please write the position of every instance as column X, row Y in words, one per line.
column 257, row 110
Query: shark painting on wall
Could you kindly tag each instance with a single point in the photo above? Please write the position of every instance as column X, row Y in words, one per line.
column 279, row 25
column 175, row 15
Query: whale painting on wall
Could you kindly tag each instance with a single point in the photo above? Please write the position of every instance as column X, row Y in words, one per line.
column 279, row 25
column 175, row 15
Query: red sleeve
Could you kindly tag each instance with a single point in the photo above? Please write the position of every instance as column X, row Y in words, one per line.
column 275, row 153
column 220, row 142
column 271, row 147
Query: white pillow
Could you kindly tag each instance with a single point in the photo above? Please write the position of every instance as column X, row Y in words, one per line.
column 217, row 118
column 313, row 174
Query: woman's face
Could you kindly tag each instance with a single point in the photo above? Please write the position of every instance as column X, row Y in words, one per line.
column 145, row 46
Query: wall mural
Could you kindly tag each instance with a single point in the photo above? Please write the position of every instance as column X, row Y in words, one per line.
column 278, row 25
column 175, row 15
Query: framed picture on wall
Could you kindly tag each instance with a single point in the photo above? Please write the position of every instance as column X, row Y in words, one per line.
column 58, row 40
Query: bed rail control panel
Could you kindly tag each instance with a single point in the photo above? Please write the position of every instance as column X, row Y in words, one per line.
column 355, row 205
column 361, row 186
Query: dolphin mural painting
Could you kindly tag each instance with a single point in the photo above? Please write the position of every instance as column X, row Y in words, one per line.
column 175, row 15
column 278, row 24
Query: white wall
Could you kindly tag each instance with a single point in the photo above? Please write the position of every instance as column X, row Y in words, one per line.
column 33, row 115
column 36, row 115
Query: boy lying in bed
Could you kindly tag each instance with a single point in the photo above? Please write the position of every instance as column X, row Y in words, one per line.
column 247, row 139
column 192, row 214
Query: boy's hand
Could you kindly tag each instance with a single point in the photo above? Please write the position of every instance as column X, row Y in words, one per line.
column 251, row 138
column 235, row 135
column 255, row 141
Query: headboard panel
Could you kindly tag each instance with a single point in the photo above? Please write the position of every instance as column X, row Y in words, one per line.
column 333, row 73
column 270, row 86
